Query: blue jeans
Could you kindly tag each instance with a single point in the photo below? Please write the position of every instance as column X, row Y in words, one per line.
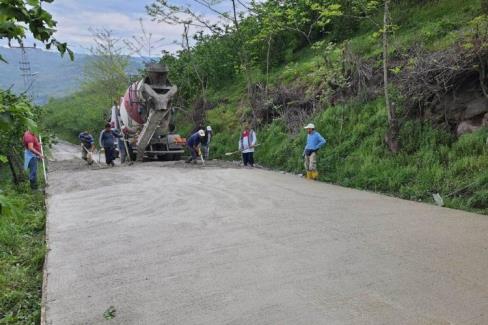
column 33, row 172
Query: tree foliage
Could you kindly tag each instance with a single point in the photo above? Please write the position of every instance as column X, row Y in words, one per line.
column 19, row 16
column 105, row 72
column 17, row 115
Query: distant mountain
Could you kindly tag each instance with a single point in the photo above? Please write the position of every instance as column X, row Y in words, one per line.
column 54, row 76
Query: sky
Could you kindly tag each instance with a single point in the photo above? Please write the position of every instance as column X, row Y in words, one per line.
column 76, row 17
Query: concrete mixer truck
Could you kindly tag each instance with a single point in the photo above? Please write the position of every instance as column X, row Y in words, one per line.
column 144, row 116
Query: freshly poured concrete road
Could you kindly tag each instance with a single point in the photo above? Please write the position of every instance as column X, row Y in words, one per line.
column 175, row 245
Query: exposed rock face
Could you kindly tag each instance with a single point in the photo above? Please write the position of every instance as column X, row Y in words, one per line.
column 464, row 109
column 472, row 125
column 445, row 87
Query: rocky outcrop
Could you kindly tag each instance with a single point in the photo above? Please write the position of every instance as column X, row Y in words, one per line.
column 464, row 109
column 445, row 88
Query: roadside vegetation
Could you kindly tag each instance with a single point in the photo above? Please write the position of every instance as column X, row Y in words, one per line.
column 22, row 217
column 22, row 250
column 22, row 211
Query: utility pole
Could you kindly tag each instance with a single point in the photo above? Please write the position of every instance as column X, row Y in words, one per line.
column 26, row 72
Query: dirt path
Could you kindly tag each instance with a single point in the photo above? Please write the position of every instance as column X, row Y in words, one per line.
column 192, row 245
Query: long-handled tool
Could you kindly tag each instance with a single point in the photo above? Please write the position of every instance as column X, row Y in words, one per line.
column 43, row 161
column 201, row 156
column 91, row 157
column 234, row 152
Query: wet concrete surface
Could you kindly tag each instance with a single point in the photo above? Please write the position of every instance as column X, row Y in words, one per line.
column 170, row 243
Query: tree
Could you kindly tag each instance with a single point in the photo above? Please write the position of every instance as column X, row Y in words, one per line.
column 143, row 44
column 105, row 72
column 304, row 17
column 16, row 116
column 228, row 23
column 393, row 128
column 19, row 16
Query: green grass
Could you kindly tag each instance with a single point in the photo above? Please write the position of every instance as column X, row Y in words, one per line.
column 22, row 251
column 431, row 160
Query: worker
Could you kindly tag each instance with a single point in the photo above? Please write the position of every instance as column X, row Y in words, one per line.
column 206, row 142
column 247, row 143
column 193, row 144
column 107, row 141
column 87, row 146
column 32, row 153
column 314, row 142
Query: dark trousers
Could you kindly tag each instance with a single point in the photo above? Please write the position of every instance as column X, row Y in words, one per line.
column 109, row 154
column 33, row 172
column 193, row 153
column 248, row 158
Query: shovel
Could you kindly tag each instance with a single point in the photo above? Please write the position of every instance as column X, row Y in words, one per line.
column 98, row 163
column 201, row 157
column 43, row 162
column 234, row 152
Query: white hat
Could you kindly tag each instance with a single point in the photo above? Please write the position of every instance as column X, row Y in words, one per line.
column 310, row 126
column 201, row 133
column 209, row 128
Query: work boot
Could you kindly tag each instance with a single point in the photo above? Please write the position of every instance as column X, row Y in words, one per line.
column 309, row 175
column 315, row 175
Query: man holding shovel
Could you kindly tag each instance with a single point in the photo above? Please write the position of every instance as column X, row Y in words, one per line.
column 193, row 143
column 87, row 146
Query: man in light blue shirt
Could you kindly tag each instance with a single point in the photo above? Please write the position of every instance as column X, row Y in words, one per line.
column 314, row 142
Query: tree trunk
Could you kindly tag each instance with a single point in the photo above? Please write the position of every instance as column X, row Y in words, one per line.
column 267, row 64
column 391, row 137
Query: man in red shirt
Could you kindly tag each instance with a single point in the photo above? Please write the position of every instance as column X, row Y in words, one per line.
column 32, row 152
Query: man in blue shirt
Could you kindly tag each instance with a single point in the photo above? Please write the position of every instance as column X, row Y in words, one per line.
column 314, row 142
column 107, row 141
column 193, row 144
column 87, row 146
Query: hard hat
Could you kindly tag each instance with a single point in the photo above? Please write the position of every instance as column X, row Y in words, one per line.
column 310, row 126
column 201, row 133
column 209, row 128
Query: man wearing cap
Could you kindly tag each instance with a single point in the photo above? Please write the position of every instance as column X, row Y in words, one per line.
column 87, row 146
column 193, row 144
column 314, row 142
column 206, row 142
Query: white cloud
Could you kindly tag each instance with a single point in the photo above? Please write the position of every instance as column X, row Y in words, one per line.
column 75, row 28
column 75, row 18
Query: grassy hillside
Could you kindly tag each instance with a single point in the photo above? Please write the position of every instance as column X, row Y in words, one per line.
column 432, row 160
